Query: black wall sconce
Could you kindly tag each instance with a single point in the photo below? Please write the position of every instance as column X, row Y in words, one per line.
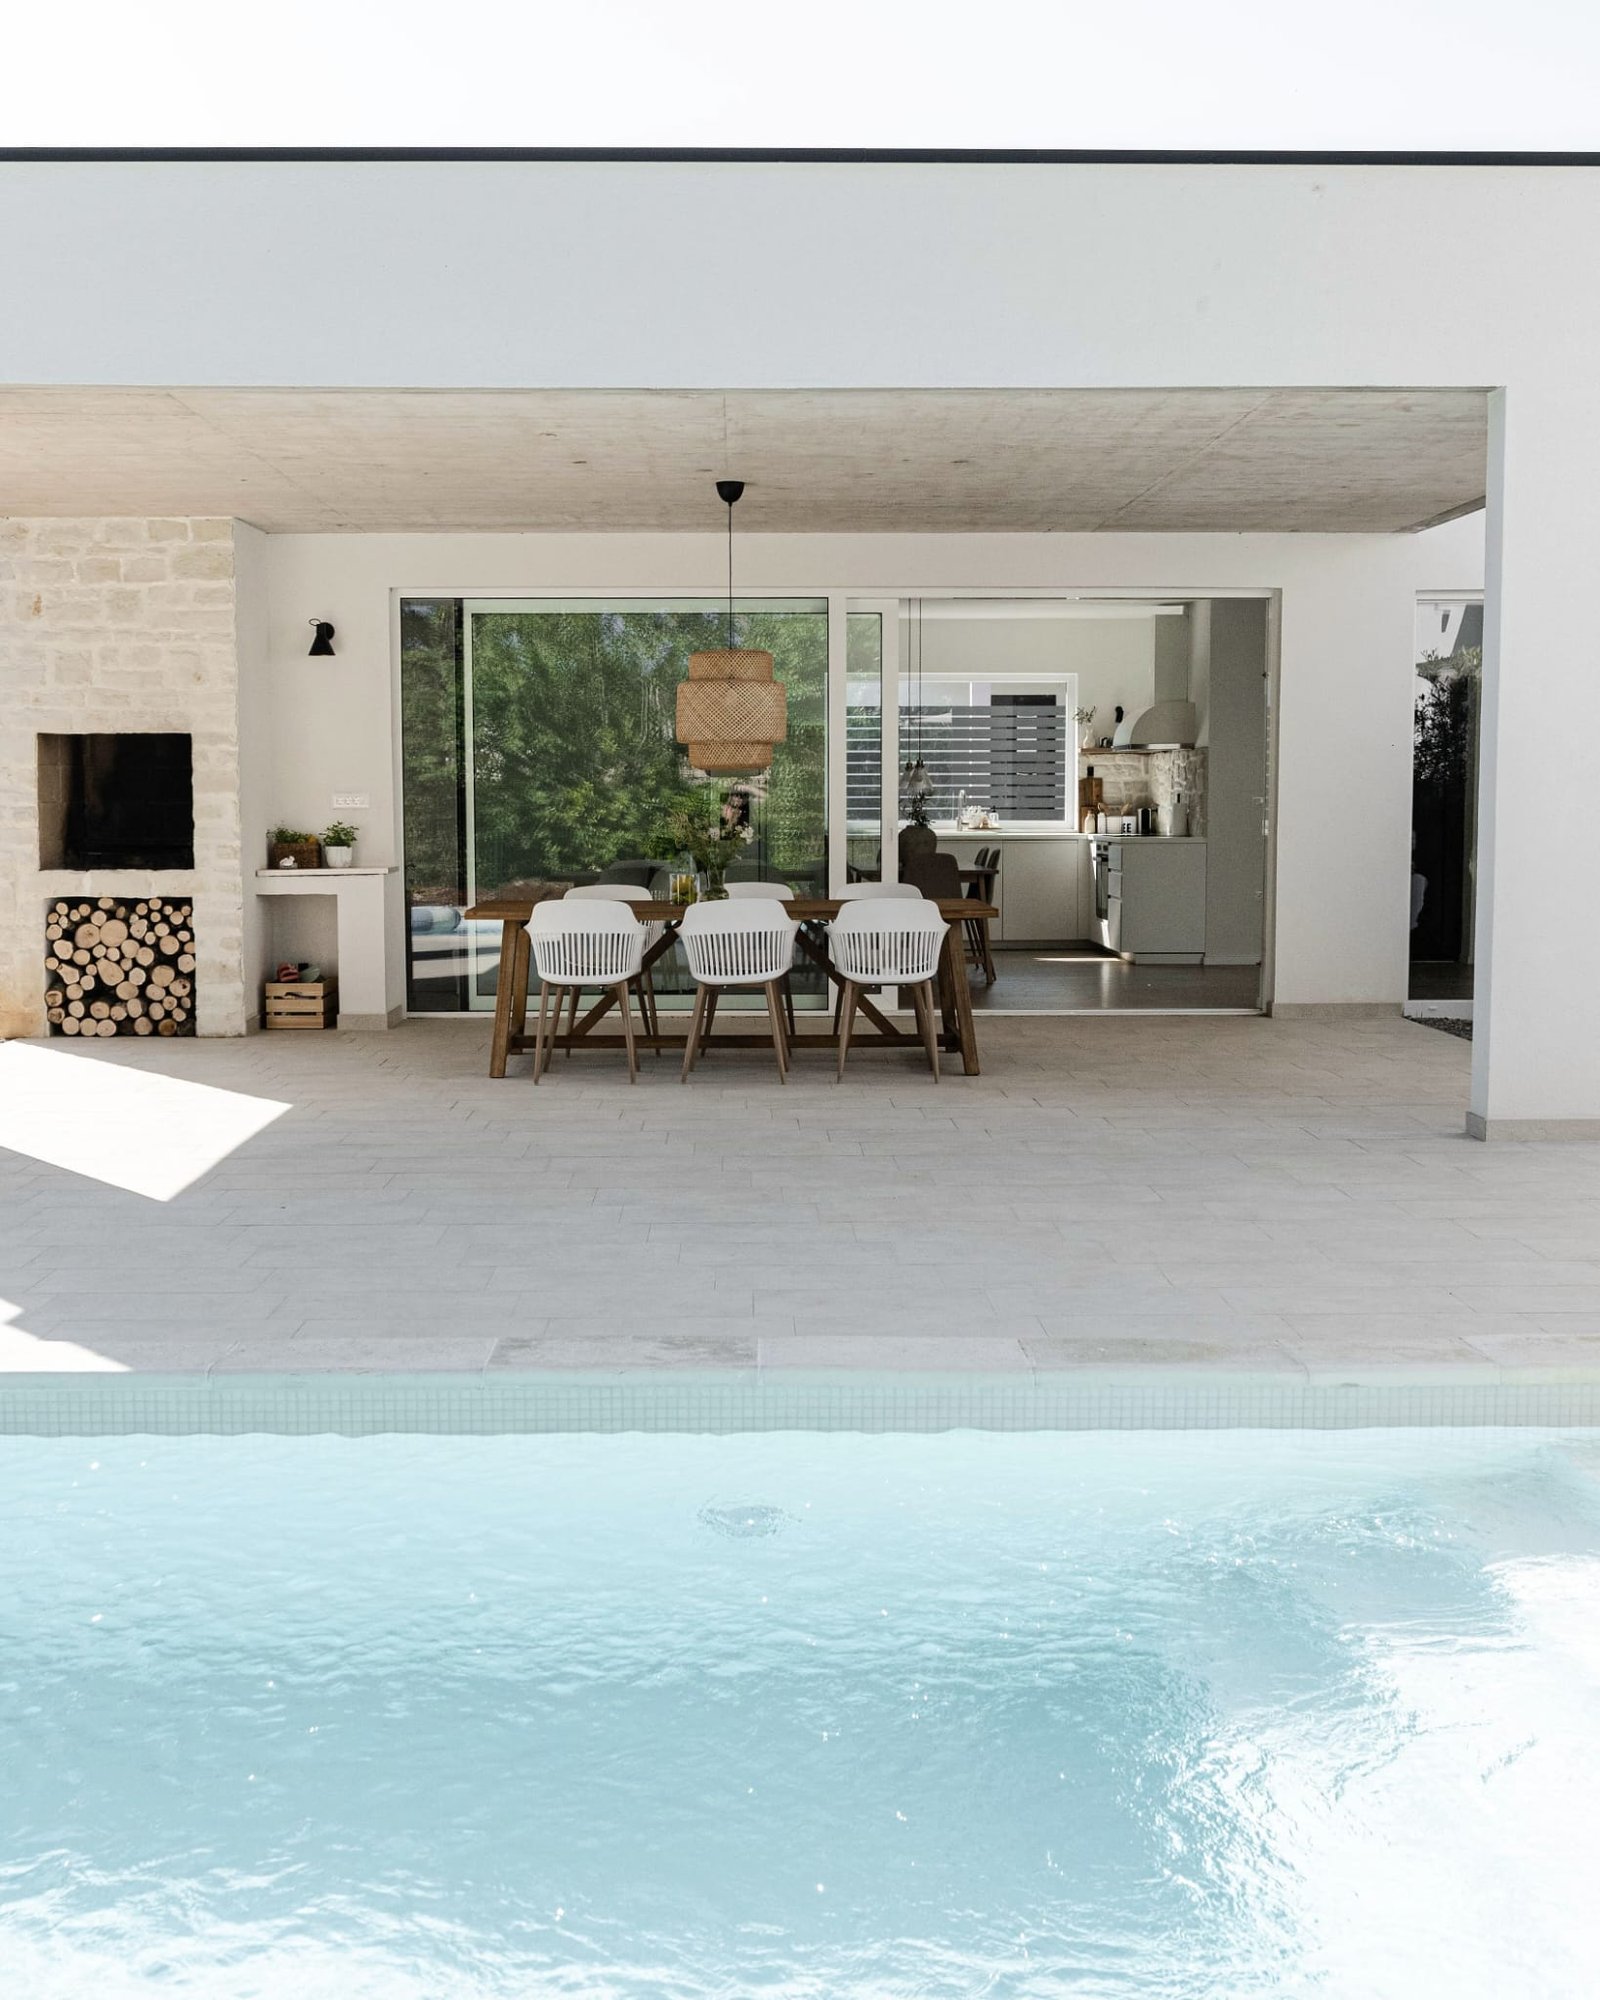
column 322, row 643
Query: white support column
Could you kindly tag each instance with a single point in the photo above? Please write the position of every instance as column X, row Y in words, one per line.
column 1536, row 1008
column 838, row 761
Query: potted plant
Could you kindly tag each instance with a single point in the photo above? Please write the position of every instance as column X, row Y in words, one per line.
column 711, row 827
column 338, row 843
column 916, row 789
column 287, row 847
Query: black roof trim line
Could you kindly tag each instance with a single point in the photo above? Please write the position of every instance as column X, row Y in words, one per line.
column 785, row 155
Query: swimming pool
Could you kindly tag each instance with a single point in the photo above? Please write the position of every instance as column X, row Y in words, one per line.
column 448, row 1718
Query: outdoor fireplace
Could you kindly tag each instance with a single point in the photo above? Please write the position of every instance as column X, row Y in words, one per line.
column 116, row 801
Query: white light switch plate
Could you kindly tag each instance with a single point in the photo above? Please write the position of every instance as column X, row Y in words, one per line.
column 355, row 800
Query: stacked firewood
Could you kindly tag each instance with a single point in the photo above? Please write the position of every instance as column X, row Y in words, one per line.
column 120, row 968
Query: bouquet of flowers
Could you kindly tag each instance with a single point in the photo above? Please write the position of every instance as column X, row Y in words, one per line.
column 711, row 827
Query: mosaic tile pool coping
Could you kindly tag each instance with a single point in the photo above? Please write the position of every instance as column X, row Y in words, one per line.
column 1147, row 1399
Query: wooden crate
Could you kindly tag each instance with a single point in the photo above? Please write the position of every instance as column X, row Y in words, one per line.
column 303, row 1003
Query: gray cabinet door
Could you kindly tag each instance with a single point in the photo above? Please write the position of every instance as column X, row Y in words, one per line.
column 1042, row 887
column 1162, row 900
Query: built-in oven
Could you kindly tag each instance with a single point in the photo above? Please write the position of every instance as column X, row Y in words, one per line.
column 1100, row 850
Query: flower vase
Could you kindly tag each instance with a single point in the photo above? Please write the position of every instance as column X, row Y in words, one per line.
column 710, row 886
column 917, row 841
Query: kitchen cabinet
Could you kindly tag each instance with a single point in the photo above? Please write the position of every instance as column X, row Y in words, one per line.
column 1151, row 900
column 1043, row 888
column 1041, row 892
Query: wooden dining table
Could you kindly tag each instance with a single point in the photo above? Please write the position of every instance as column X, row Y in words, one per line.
column 511, row 1037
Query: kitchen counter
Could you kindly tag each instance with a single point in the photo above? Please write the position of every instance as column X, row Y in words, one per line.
column 987, row 833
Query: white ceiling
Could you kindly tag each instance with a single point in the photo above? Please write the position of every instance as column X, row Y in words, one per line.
column 815, row 461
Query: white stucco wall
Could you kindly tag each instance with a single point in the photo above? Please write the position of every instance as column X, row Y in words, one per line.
column 1344, row 737
column 499, row 273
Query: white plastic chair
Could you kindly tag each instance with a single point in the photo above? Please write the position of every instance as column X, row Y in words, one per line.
column 882, row 943
column 584, row 944
column 625, row 892
column 766, row 892
column 874, row 892
column 727, row 944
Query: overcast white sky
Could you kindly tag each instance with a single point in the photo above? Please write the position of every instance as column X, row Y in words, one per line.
column 1414, row 74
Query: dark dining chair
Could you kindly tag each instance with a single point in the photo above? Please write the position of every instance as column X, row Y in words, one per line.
column 937, row 876
column 981, row 890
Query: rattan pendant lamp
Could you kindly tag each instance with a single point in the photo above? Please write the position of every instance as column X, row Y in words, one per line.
column 731, row 711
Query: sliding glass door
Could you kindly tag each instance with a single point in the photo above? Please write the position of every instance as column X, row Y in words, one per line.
column 871, row 788
column 539, row 752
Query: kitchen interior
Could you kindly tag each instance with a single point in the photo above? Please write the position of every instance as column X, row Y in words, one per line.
column 1103, row 764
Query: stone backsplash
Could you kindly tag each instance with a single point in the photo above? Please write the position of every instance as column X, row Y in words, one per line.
column 1175, row 771
column 1134, row 778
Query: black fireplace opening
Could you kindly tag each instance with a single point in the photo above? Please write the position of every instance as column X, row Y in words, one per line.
column 116, row 801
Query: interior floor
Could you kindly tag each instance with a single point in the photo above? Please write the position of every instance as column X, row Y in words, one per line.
column 1440, row 979
column 1082, row 979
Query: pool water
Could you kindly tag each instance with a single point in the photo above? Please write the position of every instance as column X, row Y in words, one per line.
column 1155, row 1715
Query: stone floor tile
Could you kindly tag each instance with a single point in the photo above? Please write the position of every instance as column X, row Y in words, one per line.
column 942, row 1354
column 1186, row 1193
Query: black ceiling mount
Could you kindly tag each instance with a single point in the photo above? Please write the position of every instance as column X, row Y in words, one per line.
column 728, row 491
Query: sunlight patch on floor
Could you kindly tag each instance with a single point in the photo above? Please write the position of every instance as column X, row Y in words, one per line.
column 134, row 1129
column 24, row 1353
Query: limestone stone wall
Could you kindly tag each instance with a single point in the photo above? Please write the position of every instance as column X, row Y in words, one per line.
column 120, row 625
column 1175, row 771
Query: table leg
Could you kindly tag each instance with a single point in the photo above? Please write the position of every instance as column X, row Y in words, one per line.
column 961, row 996
column 505, row 994
column 521, row 967
column 950, row 965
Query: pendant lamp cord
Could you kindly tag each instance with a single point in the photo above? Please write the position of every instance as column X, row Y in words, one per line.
column 730, row 576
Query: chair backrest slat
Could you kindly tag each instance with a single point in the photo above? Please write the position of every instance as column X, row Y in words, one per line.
column 745, row 943
column 593, row 942
column 887, row 944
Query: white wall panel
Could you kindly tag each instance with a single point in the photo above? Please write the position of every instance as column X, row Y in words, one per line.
column 583, row 274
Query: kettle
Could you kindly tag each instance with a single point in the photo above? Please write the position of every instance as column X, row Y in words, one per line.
column 1147, row 819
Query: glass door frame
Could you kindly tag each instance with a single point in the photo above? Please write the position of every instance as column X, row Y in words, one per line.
column 483, row 953
column 892, row 604
column 904, row 600
column 891, row 614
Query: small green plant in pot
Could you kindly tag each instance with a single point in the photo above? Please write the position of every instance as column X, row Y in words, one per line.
column 288, row 847
column 338, row 843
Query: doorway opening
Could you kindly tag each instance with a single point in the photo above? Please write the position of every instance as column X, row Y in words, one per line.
column 1097, row 768
column 1444, row 804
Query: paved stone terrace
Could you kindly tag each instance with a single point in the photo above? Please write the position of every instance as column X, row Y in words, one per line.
column 1281, row 1196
